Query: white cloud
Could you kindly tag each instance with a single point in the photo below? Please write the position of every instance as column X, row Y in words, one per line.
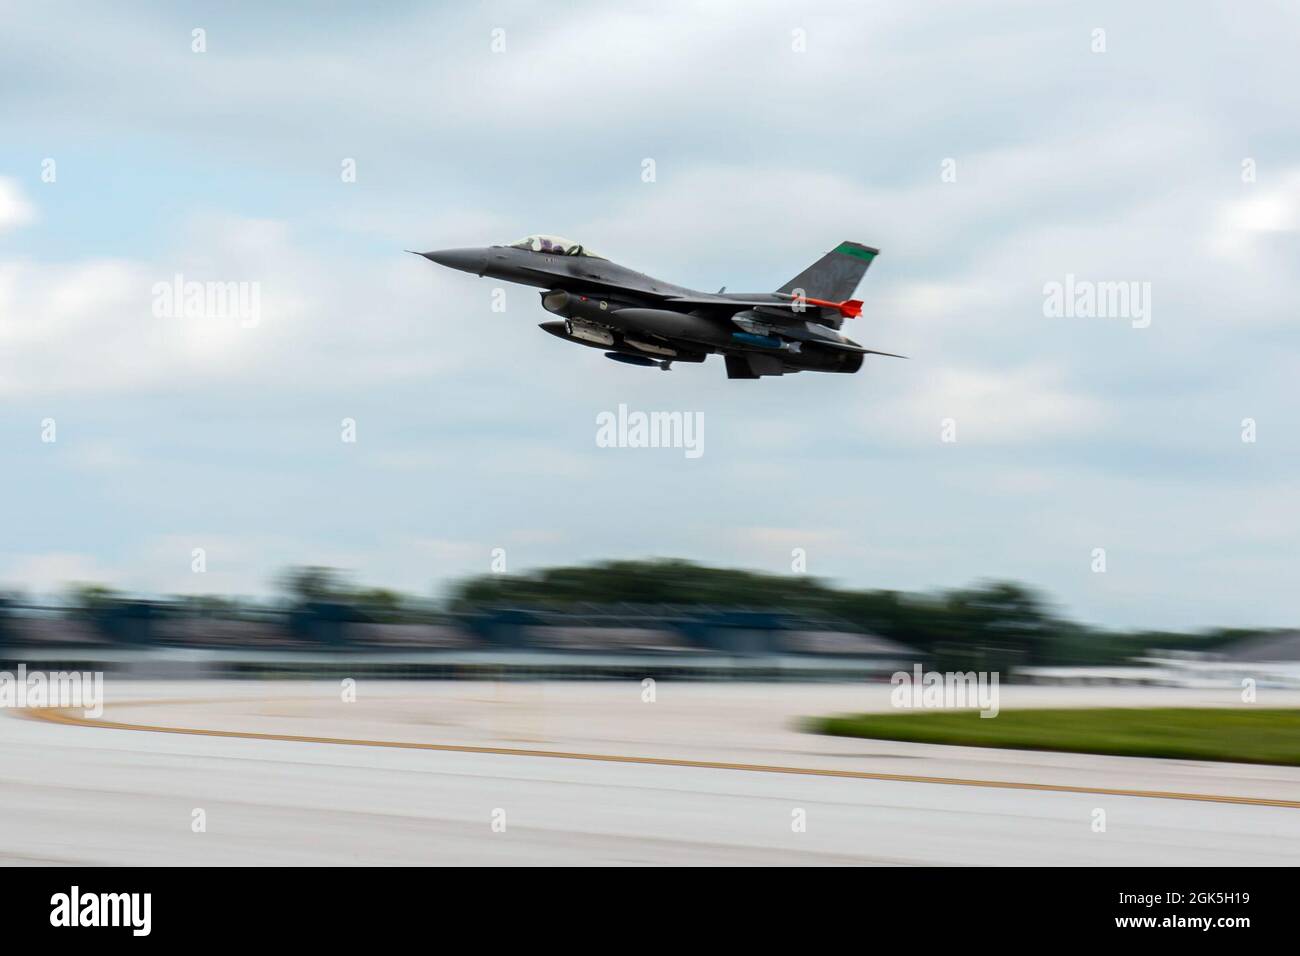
column 15, row 210
column 89, row 326
column 1259, row 211
column 990, row 406
column 52, row 572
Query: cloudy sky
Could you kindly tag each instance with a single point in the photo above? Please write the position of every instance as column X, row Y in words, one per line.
column 988, row 149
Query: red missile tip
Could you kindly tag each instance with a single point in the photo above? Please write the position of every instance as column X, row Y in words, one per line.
column 849, row 308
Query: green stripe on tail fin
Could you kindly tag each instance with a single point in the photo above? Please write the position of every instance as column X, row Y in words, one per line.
column 835, row 275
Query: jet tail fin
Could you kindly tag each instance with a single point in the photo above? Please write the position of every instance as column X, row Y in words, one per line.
column 835, row 275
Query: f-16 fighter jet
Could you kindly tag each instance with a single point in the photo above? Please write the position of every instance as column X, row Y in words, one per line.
column 639, row 320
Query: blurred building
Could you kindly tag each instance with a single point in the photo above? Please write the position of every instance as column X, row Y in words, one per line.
column 321, row 638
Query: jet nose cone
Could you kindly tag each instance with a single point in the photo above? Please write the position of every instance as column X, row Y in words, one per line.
column 466, row 260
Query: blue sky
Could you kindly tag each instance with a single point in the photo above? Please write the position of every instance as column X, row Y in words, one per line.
column 476, row 431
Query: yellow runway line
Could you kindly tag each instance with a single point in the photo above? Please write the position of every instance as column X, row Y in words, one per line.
column 58, row 716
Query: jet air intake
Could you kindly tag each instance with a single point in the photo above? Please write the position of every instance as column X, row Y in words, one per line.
column 557, row 302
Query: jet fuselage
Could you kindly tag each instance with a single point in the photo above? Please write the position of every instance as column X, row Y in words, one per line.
column 641, row 320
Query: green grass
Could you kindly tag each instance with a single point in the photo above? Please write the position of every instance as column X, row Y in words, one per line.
column 1241, row 735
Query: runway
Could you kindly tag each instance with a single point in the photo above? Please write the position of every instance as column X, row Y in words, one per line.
column 90, row 795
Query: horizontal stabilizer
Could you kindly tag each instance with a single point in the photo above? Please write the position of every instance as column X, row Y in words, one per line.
column 852, row 347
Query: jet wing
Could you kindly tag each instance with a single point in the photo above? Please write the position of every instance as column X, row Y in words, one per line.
column 849, row 308
column 849, row 347
column 844, row 346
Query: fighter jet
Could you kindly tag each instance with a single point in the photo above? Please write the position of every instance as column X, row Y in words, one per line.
column 640, row 320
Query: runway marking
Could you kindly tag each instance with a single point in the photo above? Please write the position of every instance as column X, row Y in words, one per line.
column 57, row 716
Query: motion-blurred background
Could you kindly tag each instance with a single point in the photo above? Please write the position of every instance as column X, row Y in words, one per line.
column 622, row 619
column 987, row 148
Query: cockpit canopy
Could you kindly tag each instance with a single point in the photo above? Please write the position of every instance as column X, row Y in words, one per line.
column 555, row 245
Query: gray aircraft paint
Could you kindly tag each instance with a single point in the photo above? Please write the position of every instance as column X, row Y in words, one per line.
column 641, row 320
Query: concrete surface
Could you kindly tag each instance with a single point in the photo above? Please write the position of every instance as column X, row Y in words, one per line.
column 88, row 795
